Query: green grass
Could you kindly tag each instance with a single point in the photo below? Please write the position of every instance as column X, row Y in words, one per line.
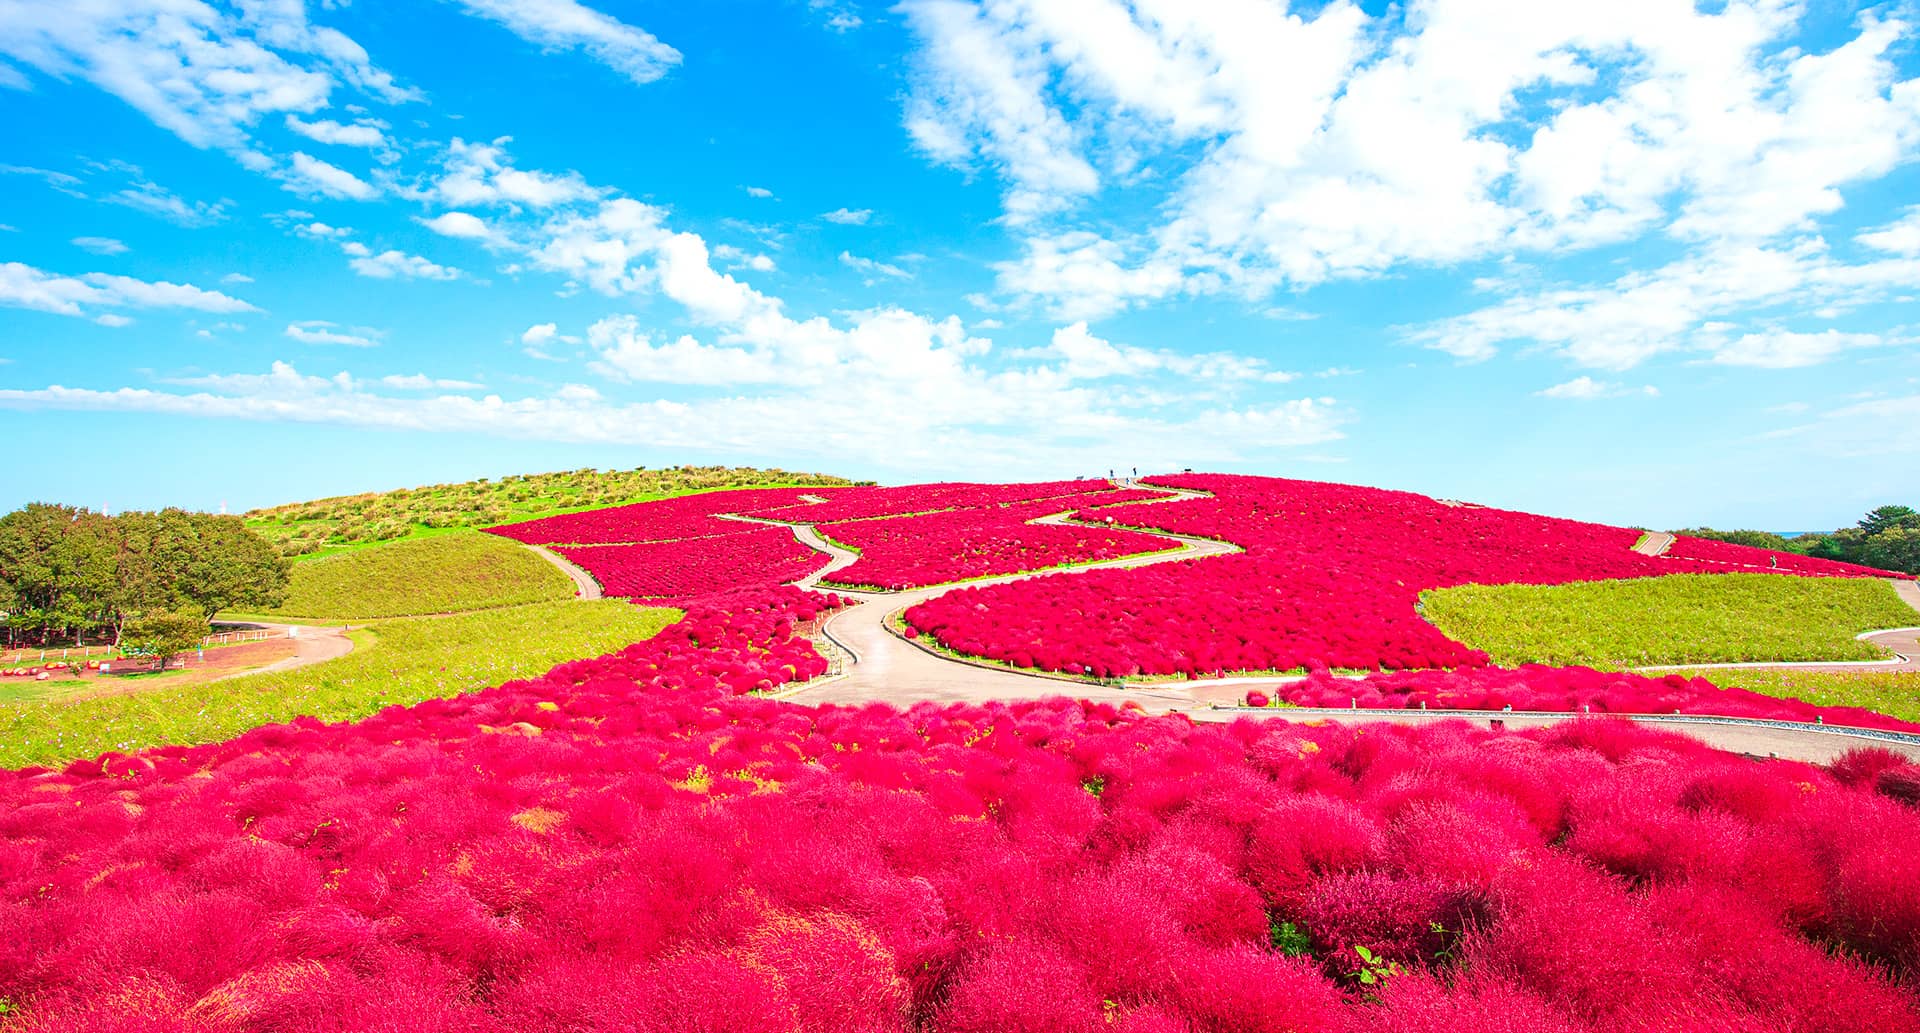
column 452, row 572
column 1893, row 693
column 329, row 526
column 399, row 661
column 1678, row 619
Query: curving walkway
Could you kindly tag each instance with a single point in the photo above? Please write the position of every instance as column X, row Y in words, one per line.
column 584, row 586
column 1903, row 643
column 889, row 669
column 1653, row 543
column 312, row 644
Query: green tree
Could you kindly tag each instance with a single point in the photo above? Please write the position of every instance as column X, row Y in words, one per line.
column 1888, row 518
column 164, row 635
column 1897, row 548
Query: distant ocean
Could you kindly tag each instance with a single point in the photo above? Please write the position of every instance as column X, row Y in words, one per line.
column 1790, row 534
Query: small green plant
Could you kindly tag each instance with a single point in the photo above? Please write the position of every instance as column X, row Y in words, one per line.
column 1095, row 784
column 1374, row 968
column 1287, row 938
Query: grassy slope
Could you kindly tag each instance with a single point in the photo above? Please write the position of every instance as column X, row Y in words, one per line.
column 1679, row 619
column 462, row 570
column 398, row 661
column 327, row 526
column 1893, row 693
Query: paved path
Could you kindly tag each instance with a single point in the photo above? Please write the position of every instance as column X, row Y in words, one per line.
column 584, row 586
column 888, row 669
column 312, row 644
column 1654, row 543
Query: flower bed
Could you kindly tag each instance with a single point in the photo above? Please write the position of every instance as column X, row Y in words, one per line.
column 1727, row 555
column 675, row 571
column 1331, row 577
column 686, row 516
column 628, row 843
column 1567, row 690
column 956, row 545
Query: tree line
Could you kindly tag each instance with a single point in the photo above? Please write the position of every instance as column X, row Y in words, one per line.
column 71, row 574
column 1887, row 537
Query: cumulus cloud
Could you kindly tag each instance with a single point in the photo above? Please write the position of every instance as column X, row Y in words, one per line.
column 849, row 217
column 422, row 382
column 1784, row 349
column 394, row 264
column 459, row 225
column 481, row 174
column 872, row 269
column 1283, row 148
column 366, row 132
column 100, row 245
column 23, row 286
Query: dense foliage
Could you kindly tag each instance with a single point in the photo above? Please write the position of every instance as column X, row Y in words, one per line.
column 465, row 570
column 629, row 844
column 1887, row 537
column 1561, row 690
column 67, row 572
column 760, row 556
column 398, row 661
column 1678, row 619
column 1331, row 577
column 305, row 527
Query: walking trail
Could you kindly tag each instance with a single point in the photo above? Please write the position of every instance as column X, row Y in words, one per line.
column 584, row 586
column 886, row 668
column 312, row 644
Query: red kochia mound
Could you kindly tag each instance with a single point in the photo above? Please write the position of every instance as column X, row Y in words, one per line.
column 1331, row 577
column 631, row 844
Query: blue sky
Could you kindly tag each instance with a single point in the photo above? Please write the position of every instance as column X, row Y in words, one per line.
column 1640, row 262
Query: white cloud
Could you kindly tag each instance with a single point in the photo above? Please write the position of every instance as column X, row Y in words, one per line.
column 566, row 25
column 992, row 430
column 1900, row 238
column 101, row 245
column 481, row 174
column 113, row 319
column 1681, row 306
column 459, row 225
column 1283, row 148
column 23, row 286
column 1084, row 356
column 393, row 264
column 540, row 335
column 741, row 259
column 365, row 132
column 422, row 382
column 759, row 192
column 1783, row 349
column 846, row 217
column 150, row 197
column 872, row 269
column 311, row 177
column 319, row 331
column 322, row 231
column 622, row 352
column 1586, row 388
column 236, row 279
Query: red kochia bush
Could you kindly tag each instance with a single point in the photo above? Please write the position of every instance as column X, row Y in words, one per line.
column 631, row 843
column 1330, row 578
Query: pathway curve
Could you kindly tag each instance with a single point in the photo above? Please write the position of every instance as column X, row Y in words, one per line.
column 888, row 669
column 1903, row 643
column 585, row 587
column 312, row 644
column 1654, row 543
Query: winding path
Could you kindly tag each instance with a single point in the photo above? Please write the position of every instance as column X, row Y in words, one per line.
column 312, row 644
column 889, row 669
column 585, row 587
